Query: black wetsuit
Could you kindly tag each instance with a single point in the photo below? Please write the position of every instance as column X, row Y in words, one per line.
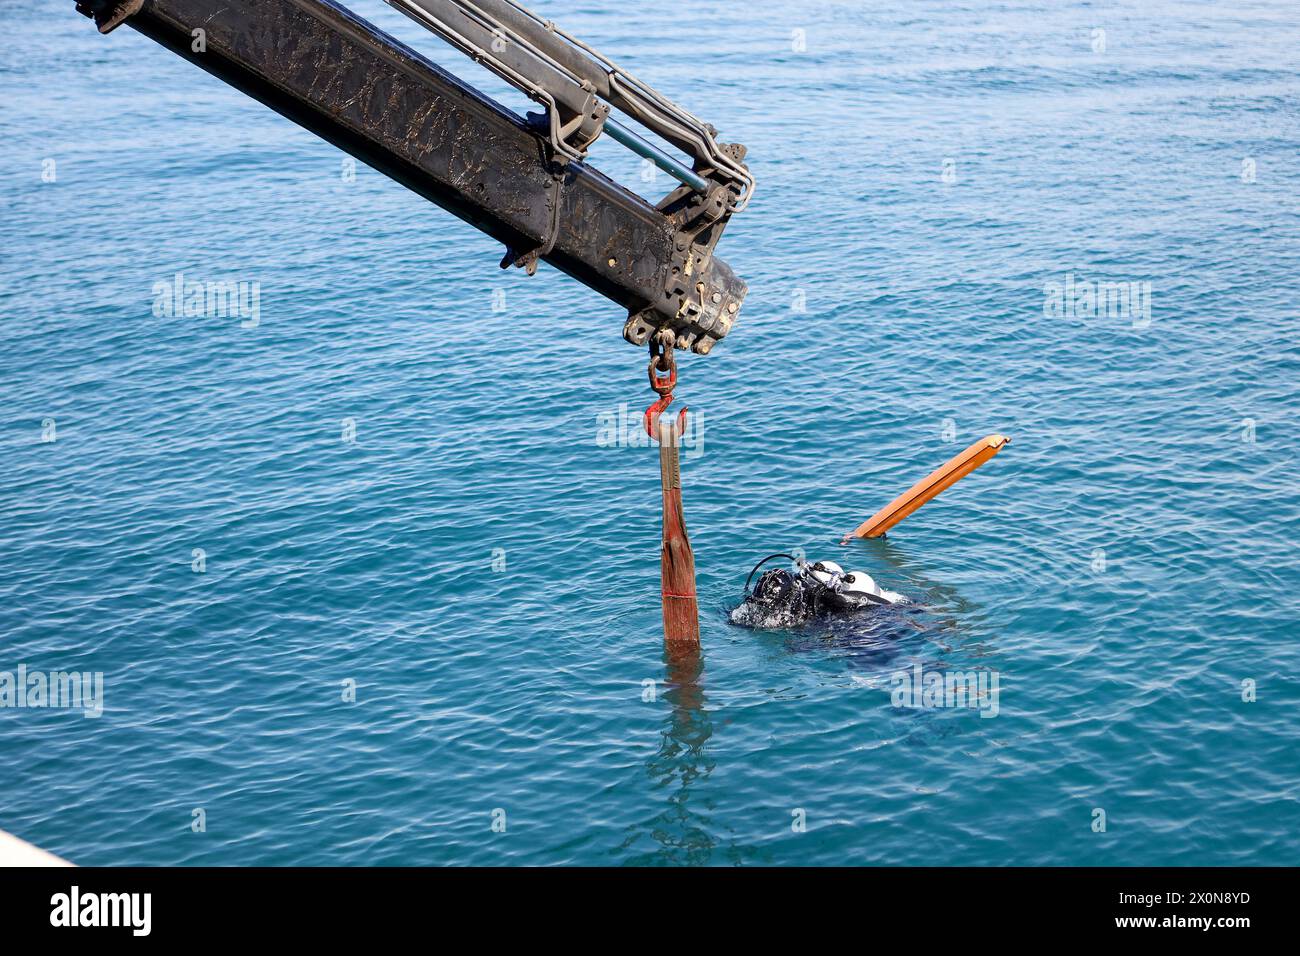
column 802, row 596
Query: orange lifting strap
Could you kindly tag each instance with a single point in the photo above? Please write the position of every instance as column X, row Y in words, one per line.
column 676, row 560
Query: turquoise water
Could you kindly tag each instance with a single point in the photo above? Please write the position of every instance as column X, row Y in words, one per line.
column 482, row 559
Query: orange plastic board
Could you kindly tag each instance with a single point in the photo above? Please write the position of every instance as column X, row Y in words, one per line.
column 945, row 476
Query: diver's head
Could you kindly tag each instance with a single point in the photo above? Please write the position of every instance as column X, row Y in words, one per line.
column 774, row 587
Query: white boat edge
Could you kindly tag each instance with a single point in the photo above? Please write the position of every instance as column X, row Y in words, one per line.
column 16, row 852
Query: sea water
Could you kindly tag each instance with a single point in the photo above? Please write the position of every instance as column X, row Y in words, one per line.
column 362, row 533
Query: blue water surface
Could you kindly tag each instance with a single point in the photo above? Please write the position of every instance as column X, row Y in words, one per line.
column 480, row 561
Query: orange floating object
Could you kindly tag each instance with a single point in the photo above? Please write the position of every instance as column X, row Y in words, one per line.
column 946, row 475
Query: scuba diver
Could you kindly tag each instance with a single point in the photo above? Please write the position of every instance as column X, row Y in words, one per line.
column 819, row 590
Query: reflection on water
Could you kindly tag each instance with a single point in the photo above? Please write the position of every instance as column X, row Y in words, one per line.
column 683, row 833
column 940, row 611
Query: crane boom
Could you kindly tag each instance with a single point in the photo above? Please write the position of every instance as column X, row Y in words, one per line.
column 330, row 71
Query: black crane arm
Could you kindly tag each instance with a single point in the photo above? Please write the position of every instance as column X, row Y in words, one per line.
column 520, row 180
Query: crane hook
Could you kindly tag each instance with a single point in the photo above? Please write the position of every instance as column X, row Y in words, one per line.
column 654, row 411
column 663, row 378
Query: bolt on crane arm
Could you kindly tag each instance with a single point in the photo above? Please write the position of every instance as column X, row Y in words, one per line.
column 522, row 181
